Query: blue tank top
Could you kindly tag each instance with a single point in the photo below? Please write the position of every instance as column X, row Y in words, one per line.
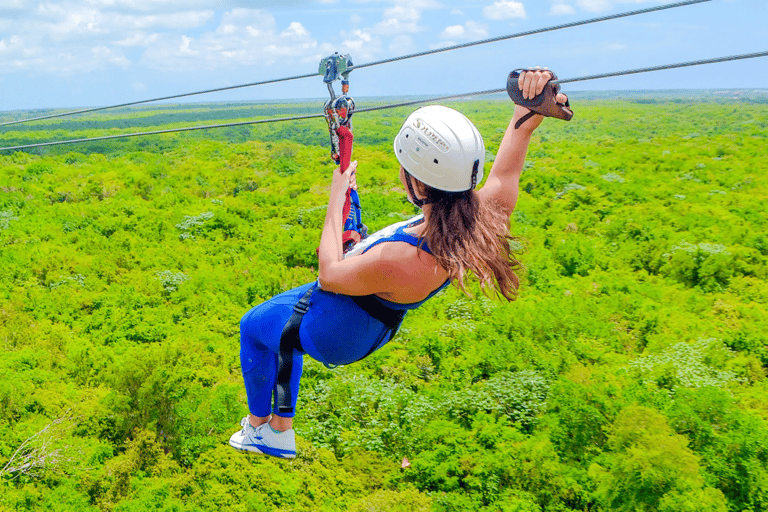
column 336, row 330
column 400, row 235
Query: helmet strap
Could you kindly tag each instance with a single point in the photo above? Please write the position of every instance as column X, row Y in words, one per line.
column 474, row 174
column 418, row 202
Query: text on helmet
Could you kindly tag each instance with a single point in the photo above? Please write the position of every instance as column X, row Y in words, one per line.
column 426, row 130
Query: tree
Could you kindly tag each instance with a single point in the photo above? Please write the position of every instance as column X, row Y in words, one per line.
column 650, row 468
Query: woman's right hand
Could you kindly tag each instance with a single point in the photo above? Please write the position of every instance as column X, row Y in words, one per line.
column 341, row 182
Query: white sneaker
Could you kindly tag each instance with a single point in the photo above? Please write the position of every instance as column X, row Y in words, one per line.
column 263, row 439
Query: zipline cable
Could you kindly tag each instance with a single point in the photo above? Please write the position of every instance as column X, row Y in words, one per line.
column 246, row 123
column 666, row 66
column 131, row 103
column 393, row 105
column 532, row 32
column 169, row 130
column 369, row 64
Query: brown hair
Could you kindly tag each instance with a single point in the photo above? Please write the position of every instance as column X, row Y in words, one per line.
column 465, row 233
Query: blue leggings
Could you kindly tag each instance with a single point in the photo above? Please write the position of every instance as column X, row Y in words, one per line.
column 334, row 331
column 260, row 331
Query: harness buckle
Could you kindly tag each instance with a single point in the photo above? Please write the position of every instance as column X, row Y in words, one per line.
column 301, row 307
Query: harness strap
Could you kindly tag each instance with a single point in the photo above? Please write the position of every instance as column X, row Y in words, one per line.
column 391, row 318
column 290, row 341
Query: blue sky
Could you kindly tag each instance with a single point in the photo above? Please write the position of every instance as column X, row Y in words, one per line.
column 66, row 53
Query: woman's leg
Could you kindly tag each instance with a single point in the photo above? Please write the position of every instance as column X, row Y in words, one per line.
column 260, row 331
column 259, row 379
column 261, row 383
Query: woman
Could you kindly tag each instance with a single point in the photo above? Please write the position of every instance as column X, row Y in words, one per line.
column 359, row 300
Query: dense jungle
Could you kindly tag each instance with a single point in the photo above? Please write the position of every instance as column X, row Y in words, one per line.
column 629, row 375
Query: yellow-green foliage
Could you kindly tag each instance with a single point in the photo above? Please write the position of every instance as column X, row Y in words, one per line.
column 629, row 375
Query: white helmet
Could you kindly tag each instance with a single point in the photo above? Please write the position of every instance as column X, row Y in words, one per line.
column 441, row 148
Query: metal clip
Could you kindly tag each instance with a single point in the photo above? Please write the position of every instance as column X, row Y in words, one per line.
column 334, row 67
column 337, row 110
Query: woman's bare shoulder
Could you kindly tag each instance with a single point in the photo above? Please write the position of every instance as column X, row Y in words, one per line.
column 413, row 273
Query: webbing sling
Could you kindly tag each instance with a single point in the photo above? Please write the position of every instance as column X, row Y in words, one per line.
column 290, row 341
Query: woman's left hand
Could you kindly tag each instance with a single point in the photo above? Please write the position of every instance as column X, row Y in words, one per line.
column 532, row 83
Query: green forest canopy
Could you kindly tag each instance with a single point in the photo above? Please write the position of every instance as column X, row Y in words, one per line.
column 629, row 375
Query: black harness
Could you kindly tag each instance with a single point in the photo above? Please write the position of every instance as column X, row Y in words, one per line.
column 290, row 341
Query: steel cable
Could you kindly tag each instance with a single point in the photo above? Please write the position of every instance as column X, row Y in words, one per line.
column 532, row 32
column 131, row 103
column 169, row 130
column 369, row 64
column 666, row 66
column 395, row 105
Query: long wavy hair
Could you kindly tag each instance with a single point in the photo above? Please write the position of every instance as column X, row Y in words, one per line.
column 467, row 234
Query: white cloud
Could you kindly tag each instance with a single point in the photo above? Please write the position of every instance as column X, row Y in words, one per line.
column 457, row 12
column 604, row 5
column 248, row 17
column 295, row 31
column 421, row 5
column 452, row 31
column 504, row 10
column 137, row 39
column 184, row 47
column 11, row 44
column 66, row 61
column 561, row 9
column 398, row 20
column 171, row 6
column 243, row 38
column 470, row 30
column 180, row 20
column 361, row 44
column 595, row 5
column 65, row 37
column 68, row 24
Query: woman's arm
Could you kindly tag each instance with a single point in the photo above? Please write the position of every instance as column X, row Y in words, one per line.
column 361, row 275
column 331, row 250
column 504, row 178
column 388, row 268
